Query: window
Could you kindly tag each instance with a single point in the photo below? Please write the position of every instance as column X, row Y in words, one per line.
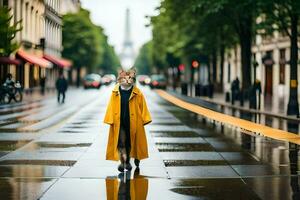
column 26, row 20
column 5, row 3
column 16, row 11
column 282, row 66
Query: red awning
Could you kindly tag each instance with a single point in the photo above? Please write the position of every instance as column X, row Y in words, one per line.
column 61, row 62
column 9, row 61
column 33, row 59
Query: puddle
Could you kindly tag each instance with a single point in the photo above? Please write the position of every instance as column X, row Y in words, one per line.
column 12, row 145
column 76, row 126
column 173, row 147
column 61, row 145
column 24, row 188
column 71, row 131
column 175, row 163
column 214, row 189
column 157, row 123
column 174, row 134
column 78, row 123
column 3, row 153
column 39, row 162
column 57, row 147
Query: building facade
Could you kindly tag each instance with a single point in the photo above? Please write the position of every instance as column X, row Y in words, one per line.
column 40, row 41
column 30, row 53
column 53, row 28
column 53, row 41
column 70, row 6
column 270, row 65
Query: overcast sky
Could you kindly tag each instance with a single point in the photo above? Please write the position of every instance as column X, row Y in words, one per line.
column 110, row 14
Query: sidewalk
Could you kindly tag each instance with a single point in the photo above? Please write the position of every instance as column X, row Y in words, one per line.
column 187, row 160
column 241, row 122
column 273, row 106
column 271, row 114
column 35, row 95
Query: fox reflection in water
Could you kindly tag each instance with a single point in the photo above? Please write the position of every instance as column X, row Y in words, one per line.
column 124, row 188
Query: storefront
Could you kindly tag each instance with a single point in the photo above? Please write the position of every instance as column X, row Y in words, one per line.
column 32, row 69
column 60, row 65
column 8, row 65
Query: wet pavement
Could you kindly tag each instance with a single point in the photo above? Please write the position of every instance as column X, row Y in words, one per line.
column 52, row 151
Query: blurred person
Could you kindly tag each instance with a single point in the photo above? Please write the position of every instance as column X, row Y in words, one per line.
column 9, row 80
column 43, row 84
column 61, row 86
column 8, row 87
column 235, row 90
column 127, row 114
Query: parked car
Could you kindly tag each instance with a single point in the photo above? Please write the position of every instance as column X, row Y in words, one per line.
column 158, row 81
column 144, row 79
column 92, row 81
column 108, row 79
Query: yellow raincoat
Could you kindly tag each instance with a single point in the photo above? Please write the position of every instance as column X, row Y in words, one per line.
column 138, row 189
column 139, row 116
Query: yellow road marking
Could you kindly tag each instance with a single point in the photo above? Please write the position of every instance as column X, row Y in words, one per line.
column 233, row 121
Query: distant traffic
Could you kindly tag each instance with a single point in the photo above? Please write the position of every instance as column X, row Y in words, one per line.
column 93, row 80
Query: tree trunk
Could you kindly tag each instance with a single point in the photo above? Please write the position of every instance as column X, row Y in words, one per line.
column 78, row 77
column 214, row 67
column 209, row 69
column 222, row 55
column 244, row 30
column 293, row 105
column 246, row 63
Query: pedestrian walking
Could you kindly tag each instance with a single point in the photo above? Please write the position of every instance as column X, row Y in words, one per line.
column 61, row 87
column 43, row 84
column 235, row 90
column 127, row 114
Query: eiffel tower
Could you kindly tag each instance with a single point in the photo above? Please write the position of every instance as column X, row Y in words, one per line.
column 127, row 55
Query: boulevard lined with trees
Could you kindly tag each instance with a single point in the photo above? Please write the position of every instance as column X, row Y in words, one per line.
column 86, row 45
column 204, row 30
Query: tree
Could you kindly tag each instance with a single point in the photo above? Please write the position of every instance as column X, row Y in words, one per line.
column 283, row 16
column 109, row 61
column 81, row 41
column 191, row 29
column 144, row 60
column 8, row 32
column 232, row 13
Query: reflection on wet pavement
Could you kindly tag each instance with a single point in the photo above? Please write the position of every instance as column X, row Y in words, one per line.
column 190, row 158
column 24, row 188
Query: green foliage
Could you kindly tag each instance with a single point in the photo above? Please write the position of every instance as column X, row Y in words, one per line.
column 277, row 15
column 194, row 29
column 85, row 43
column 201, row 29
column 144, row 61
column 109, row 61
column 7, row 32
column 191, row 28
